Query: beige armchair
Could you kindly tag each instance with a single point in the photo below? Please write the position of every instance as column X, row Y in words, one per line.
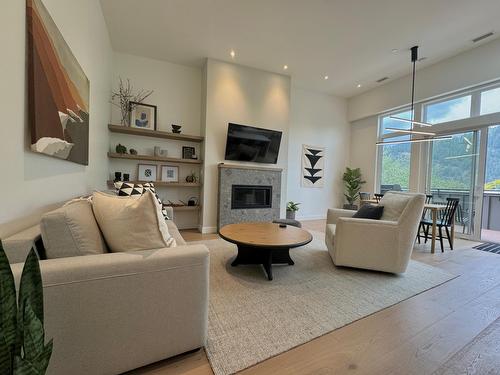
column 381, row 245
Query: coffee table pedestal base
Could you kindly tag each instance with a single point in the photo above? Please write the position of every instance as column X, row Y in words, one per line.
column 265, row 256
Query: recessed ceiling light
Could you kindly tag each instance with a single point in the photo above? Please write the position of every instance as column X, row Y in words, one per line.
column 285, row 67
column 359, row 85
column 326, row 77
column 394, row 50
column 232, row 53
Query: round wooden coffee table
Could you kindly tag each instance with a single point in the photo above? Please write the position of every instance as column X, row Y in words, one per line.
column 264, row 243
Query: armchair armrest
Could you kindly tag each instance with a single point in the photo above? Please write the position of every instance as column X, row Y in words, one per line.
column 333, row 214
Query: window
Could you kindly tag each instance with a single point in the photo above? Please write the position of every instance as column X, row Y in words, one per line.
column 490, row 101
column 449, row 110
column 492, row 172
column 395, row 159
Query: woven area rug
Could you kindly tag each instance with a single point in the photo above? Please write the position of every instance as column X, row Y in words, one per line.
column 252, row 319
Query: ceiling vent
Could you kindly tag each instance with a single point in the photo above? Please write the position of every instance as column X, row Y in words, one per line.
column 382, row 79
column 481, row 37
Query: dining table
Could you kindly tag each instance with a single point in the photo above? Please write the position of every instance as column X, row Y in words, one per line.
column 434, row 208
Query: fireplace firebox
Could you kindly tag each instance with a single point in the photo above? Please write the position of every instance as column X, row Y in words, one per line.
column 251, row 196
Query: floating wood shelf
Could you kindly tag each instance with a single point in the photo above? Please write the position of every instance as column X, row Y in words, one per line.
column 185, row 208
column 115, row 155
column 162, row 183
column 154, row 133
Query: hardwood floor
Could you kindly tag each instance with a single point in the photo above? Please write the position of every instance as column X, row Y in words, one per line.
column 451, row 329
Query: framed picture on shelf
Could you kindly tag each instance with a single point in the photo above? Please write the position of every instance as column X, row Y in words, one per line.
column 147, row 172
column 142, row 116
column 188, row 152
column 169, row 173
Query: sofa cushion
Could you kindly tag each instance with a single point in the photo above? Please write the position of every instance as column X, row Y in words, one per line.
column 394, row 204
column 127, row 189
column 71, row 231
column 174, row 232
column 131, row 223
column 369, row 211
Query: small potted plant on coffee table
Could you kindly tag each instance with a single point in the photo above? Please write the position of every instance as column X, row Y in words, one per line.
column 291, row 209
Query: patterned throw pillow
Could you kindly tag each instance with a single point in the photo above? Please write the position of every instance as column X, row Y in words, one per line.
column 127, row 189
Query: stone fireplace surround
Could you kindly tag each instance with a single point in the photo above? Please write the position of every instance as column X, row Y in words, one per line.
column 234, row 174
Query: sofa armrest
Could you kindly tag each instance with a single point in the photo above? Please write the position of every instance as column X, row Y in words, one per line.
column 155, row 301
column 333, row 214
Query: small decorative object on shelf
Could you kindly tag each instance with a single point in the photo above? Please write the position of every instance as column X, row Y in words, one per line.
column 188, row 152
column 161, row 152
column 125, row 96
column 193, row 201
column 133, row 151
column 172, row 204
column 146, row 172
column 176, row 129
column 142, row 116
column 118, row 176
column 126, row 177
column 121, row 149
column 192, row 178
column 169, row 173
column 291, row 209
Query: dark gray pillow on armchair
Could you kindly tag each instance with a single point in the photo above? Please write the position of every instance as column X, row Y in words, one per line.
column 369, row 211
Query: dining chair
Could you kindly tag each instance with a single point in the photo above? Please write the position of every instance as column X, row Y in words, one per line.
column 428, row 200
column 378, row 197
column 445, row 221
column 364, row 196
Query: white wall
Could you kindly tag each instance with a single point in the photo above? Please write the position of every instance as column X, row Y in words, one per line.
column 363, row 150
column 177, row 94
column 245, row 96
column 318, row 120
column 31, row 181
column 470, row 68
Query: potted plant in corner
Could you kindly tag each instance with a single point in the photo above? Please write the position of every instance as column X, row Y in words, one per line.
column 22, row 336
column 352, row 181
column 291, row 209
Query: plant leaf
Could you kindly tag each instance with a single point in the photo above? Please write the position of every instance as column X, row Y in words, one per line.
column 24, row 367
column 33, row 334
column 8, row 306
column 5, row 357
column 42, row 361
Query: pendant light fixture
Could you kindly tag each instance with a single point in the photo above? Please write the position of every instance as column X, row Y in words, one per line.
column 412, row 121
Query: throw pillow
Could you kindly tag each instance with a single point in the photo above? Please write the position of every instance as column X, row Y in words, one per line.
column 127, row 189
column 131, row 224
column 71, row 231
column 369, row 211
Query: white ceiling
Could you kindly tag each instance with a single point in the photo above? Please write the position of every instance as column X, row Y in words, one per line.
column 351, row 41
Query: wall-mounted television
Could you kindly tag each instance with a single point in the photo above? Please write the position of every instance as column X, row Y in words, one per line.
column 246, row 143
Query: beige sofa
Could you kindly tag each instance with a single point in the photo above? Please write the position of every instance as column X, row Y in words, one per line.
column 115, row 312
column 381, row 245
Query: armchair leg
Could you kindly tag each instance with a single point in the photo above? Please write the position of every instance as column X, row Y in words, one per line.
column 441, row 238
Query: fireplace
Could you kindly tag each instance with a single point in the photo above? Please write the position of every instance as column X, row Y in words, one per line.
column 251, row 196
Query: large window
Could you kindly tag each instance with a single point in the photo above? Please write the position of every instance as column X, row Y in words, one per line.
column 448, row 110
column 492, row 172
column 395, row 158
column 490, row 101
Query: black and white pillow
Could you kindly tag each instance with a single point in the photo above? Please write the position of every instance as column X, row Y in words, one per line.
column 127, row 189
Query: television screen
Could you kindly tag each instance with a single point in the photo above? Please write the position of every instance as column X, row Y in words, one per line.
column 246, row 143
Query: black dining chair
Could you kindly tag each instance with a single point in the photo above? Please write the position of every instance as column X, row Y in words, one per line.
column 364, row 196
column 445, row 221
column 378, row 197
column 428, row 199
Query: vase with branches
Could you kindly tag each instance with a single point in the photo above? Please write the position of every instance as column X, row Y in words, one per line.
column 353, row 180
column 125, row 99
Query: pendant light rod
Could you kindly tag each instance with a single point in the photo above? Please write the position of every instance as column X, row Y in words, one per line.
column 418, row 140
column 409, row 131
column 414, row 58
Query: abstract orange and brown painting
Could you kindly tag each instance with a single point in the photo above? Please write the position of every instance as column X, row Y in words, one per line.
column 58, row 90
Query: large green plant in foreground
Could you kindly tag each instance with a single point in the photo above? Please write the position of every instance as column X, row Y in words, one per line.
column 353, row 181
column 22, row 337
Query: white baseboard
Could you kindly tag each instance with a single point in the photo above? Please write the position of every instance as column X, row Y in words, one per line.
column 207, row 230
column 311, row 217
